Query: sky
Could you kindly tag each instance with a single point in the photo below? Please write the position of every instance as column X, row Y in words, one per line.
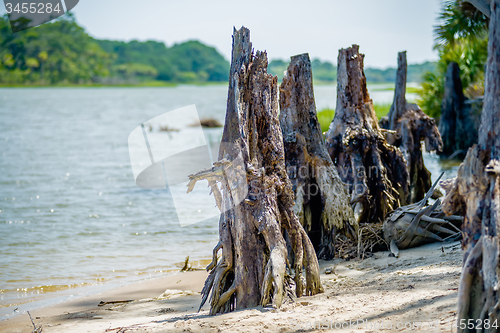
column 382, row 28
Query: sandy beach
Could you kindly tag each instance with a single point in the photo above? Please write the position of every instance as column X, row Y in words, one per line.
column 415, row 292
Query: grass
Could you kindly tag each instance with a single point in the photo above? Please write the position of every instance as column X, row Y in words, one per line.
column 325, row 116
column 409, row 90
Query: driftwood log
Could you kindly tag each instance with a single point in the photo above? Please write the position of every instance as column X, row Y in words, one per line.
column 374, row 170
column 476, row 190
column 418, row 224
column 254, row 234
column 322, row 202
column 412, row 126
column 459, row 121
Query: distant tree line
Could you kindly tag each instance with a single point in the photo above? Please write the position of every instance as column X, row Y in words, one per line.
column 327, row 72
column 61, row 52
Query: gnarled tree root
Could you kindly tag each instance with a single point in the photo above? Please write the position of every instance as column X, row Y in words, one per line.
column 255, row 196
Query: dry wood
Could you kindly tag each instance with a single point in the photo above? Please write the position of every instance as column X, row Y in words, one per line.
column 254, row 234
column 476, row 190
column 374, row 170
column 417, row 224
column 412, row 127
column 321, row 198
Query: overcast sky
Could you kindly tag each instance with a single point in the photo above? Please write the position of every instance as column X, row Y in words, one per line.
column 283, row 28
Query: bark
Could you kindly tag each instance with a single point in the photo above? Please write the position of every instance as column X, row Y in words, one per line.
column 254, row 233
column 374, row 170
column 411, row 127
column 459, row 121
column 477, row 191
column 321, row 199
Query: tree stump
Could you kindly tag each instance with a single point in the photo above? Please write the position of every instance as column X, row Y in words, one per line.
column 254, row 234
column 321, row 198
column 374, row 170
column 476, row 190
column 412, row 126
column 459, row 122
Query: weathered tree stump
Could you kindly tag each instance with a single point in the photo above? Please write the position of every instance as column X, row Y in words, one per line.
column 459, row 121
column 412, row 126
column 321, row 198
column 476, row 190
column 254, row 233
column 374, row 170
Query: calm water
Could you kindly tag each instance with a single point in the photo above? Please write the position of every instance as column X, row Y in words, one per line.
column 71, row 214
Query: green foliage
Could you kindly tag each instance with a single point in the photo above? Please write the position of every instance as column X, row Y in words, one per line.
column 204, row 61
column 325, row 117
column 460, row 20
column 61, row 52
column 431, row 94
column 150, row 53
column 381, row 110
column 187, row 62
column 324, row 71
column 461, row 37
column 134, row 70
column 278, row 68
column 56, row 52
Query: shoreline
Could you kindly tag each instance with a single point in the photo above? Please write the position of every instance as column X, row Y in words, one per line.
column 191, row 281
column 418, row 288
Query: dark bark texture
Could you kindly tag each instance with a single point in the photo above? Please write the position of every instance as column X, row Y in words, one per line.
column 411, row 126
column 322, row 202
column 459, row 122
column 374, row 170
column 476, row 190
column 254, row 234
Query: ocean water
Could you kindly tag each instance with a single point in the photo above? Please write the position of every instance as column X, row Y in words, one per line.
column 71, row 216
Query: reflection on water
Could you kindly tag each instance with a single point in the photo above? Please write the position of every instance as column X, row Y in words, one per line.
column 71, row 215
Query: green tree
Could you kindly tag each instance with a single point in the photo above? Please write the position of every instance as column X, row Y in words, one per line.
column 461, row 37
column 56, row 52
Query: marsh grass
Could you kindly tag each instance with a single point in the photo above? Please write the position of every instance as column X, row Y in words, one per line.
column 325, row 116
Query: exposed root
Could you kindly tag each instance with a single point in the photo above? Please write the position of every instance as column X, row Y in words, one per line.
column 469, row 269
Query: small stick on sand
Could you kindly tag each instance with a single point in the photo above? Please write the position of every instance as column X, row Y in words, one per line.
column 35, row 328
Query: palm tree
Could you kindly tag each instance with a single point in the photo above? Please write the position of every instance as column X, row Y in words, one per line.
column 461, row 37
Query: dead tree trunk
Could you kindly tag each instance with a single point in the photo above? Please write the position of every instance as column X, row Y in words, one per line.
column 321, row 198
column 253, row 269
column 412, row 126
column 459, row 122
column 477, row 191
column 374, row 170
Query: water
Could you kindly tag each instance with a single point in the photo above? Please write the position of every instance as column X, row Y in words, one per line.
column 71, row 215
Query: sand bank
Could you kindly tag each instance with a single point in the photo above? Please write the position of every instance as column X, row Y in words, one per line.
column 415, row 292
